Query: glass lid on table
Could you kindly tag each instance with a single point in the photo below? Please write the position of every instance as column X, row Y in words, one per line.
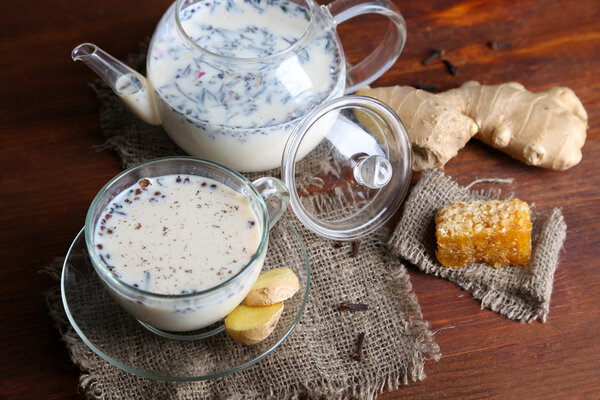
column 347, row 167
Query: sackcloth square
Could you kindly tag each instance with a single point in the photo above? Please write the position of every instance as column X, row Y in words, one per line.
column 520, row 293
column 315, row 360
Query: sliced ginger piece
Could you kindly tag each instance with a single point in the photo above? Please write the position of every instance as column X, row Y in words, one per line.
column 273, row 286
column 252, row 324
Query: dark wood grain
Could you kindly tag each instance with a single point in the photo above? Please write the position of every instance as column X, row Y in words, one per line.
column 50, row 173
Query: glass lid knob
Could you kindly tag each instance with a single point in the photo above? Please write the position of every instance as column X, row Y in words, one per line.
column 373, row 171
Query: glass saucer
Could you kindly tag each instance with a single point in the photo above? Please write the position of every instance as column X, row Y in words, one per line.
column 124, row 342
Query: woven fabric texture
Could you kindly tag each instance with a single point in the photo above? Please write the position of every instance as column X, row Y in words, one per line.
column 315, row 360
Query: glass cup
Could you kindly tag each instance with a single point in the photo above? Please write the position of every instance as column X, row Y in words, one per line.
column 268, row 198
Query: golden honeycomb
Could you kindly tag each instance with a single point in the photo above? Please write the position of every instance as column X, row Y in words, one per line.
column 496, row 232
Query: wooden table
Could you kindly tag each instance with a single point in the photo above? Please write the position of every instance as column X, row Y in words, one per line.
column 50, row 173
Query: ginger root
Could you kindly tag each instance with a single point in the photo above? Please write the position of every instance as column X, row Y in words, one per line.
column 545, row 129
column 273, row 286
column 256, row 318
column 252, row 324
column 436, row 129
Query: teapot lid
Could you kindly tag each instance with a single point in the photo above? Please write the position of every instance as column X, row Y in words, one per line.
column 347, row 166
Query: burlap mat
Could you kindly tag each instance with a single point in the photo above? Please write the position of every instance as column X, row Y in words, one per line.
column 520, row 293
column 315, row 360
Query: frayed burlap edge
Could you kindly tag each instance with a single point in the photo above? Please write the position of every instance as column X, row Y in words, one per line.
column 73, row 342
column 521, row 293
column 95, row 386
column 133, row 142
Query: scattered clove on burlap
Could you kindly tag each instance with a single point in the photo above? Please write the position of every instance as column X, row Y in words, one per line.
column 355, row 248
column 357, row 356
column 344, row 305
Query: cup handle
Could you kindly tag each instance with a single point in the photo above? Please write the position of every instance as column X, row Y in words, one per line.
column 276, row 197
column 382, row 58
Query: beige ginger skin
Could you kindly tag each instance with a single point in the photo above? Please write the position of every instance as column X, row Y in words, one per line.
column 546, row 129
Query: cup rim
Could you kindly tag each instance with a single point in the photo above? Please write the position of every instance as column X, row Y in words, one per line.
column 109, row 278
column 291, row 48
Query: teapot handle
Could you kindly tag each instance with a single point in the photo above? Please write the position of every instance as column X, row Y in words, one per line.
column 382, row 58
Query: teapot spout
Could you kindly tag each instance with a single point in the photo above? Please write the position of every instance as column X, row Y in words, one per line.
column 128, row 84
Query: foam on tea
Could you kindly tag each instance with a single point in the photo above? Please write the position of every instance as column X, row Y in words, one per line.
column 177, row 234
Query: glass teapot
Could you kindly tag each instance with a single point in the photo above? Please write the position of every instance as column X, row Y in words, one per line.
column 230, row 79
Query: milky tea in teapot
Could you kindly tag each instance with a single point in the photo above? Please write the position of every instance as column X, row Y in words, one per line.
column 230, row 79
column 251, row 103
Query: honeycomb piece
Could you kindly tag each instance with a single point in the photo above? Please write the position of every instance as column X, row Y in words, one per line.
column 497, row 232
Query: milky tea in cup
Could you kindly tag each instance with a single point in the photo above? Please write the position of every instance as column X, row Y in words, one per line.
column 178, row 251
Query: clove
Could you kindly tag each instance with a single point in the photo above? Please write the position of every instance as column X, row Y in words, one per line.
column 355, row 248
column 427, row 86
column 344, row 305
column 435, row 54
column 496, row 45
column 452, row 69
column 338, row 244
column 357, row 356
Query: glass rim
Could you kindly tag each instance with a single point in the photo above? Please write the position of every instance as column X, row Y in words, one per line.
column 292, row 47
column 122, row 286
